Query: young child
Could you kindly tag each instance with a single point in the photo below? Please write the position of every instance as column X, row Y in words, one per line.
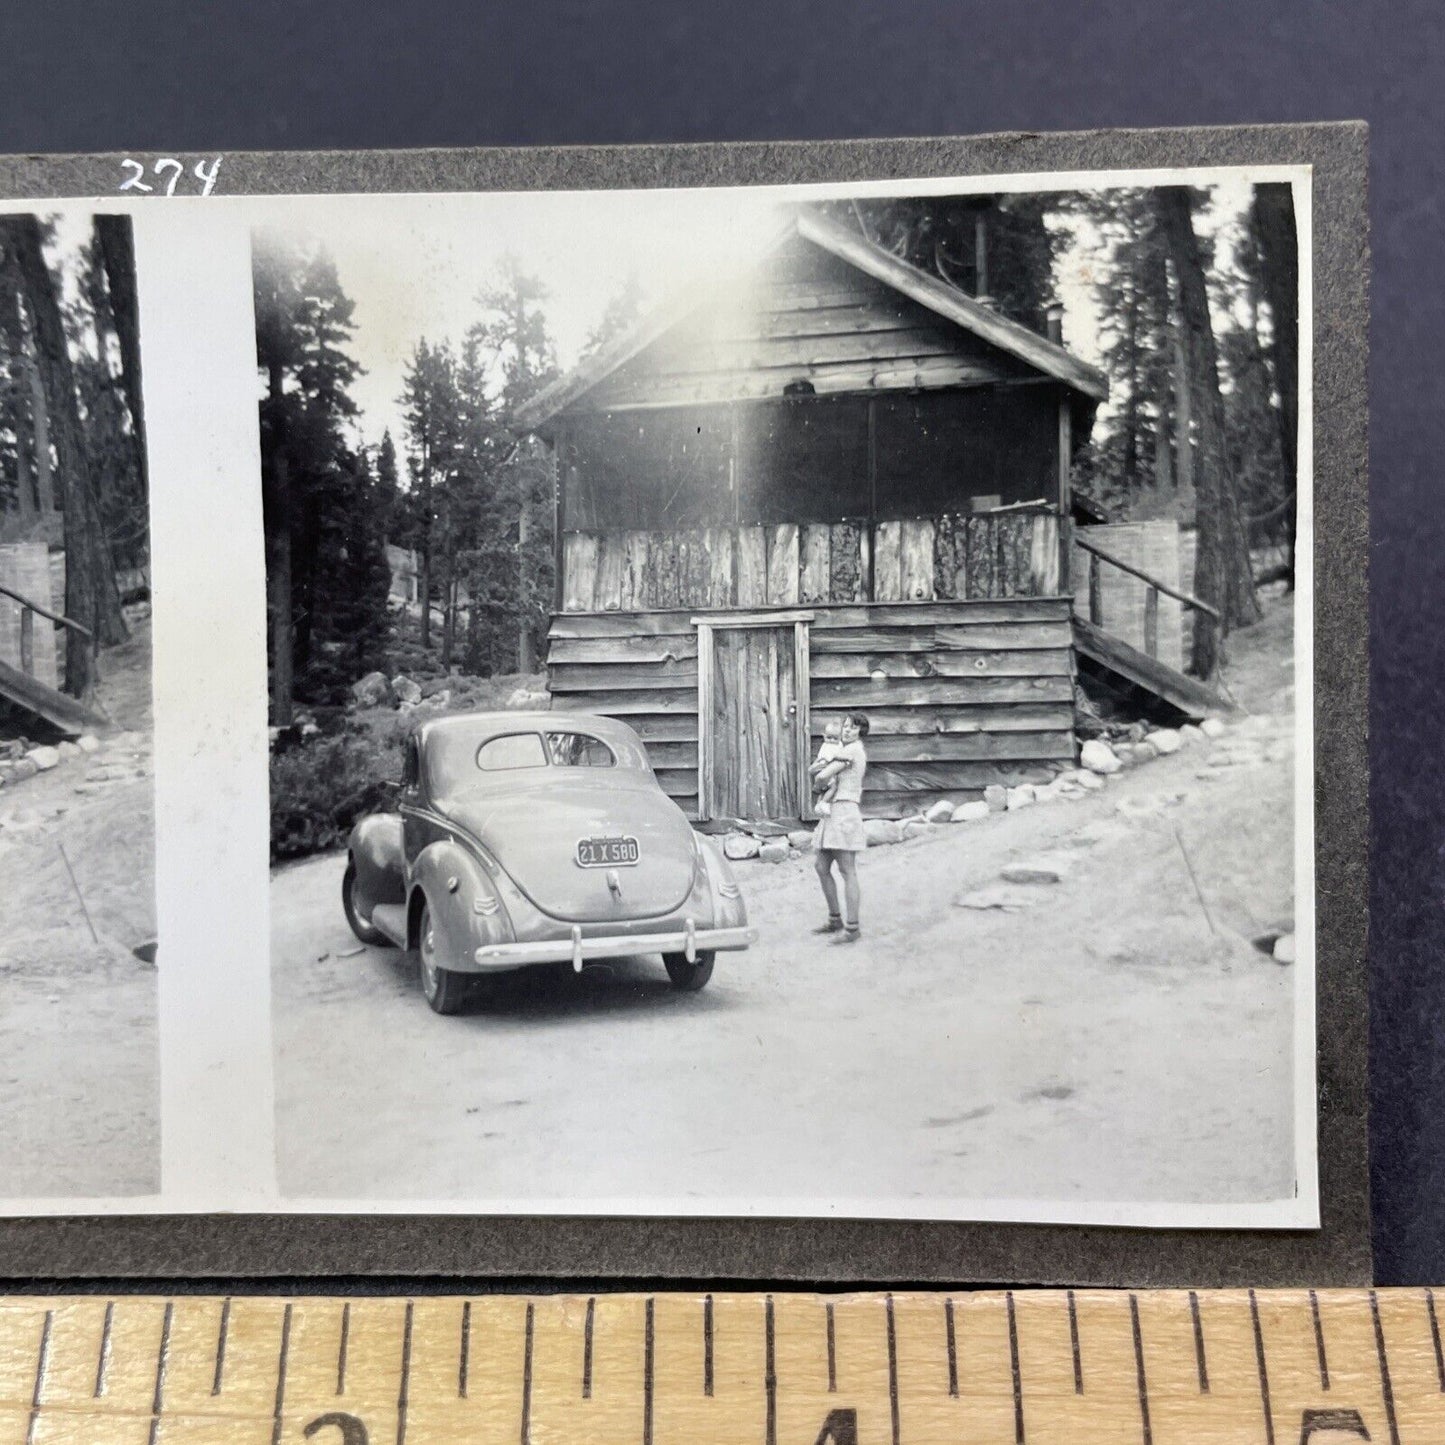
column 831, row 748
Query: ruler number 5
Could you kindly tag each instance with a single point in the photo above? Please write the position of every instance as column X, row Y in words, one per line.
column 204, row 173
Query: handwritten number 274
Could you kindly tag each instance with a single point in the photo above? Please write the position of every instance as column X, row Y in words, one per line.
column 168, row 166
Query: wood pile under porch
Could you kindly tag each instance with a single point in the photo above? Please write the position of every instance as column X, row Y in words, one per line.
column 959, row 695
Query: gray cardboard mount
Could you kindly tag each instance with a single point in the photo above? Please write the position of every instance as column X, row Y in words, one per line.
column 518, row 1250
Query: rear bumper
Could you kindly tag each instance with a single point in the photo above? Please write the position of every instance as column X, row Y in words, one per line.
column 688, row 941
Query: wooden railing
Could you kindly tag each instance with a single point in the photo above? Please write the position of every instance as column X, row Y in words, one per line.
column 28, row 612
column 1153, row 585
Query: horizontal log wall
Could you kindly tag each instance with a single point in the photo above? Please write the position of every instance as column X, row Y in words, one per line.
column 959, row 694
column 1011, row 553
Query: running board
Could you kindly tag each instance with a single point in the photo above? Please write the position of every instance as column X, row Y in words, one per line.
column 41, row 700
column 390, row 919
column 1101, row 652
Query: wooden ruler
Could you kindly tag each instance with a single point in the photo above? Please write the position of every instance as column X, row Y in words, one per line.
column 1017, row 1368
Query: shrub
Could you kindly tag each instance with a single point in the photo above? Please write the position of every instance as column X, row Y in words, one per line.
column 320, row 789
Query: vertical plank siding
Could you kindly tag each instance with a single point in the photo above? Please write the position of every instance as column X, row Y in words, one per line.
column 1012, row 553
column 959, row 694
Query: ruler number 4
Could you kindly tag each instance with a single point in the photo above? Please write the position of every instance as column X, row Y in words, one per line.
column 169, row 166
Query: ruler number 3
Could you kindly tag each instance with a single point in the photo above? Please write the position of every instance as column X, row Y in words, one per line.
column 168, row 165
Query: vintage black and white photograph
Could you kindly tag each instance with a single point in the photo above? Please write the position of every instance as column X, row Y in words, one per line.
column 79, row 1105
column 781, row 701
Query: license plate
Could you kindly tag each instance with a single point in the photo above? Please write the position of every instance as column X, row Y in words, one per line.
column 607, row 852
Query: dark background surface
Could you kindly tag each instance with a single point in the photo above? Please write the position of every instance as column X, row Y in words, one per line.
column 156, row 77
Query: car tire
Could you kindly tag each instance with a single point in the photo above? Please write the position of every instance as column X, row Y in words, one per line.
column 443, row 988
column 688, row 977
column 364, row 931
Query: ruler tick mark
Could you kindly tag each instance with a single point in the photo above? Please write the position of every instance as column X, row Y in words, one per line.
column 1074, row 1345
column 587, row 1349
column 952, row 1347
column 281, row 1375
column 341, row 1348
column 1199, row 1358
column 1435, row 1338
column 770, row 1373
column 1320, row 1341
column 832, row 1354
column 707, row 1345
column 464, row 1349
column 1387, row 1390
column 102, row 1364
column 647, row 1375
column 892, row 1370
column 42, row 1362
column 218, row 1378
column 162, row 1359
column 1262, row 1368
column 1148, row 1434
column 527, row 1380
column 404, row 1390
column 1013, row 1359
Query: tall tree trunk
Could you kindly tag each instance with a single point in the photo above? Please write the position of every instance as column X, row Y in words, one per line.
column 424, row 580
column 1223, row 575
column 1279, row 250
column 276, row 500
column 117, row 254
column 40, row 423
column 17, row 394
column 526, row 645
column 91, row 595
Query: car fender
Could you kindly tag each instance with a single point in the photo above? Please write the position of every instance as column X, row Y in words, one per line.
column 730, row 910
column 466, row 909
column 376, row 852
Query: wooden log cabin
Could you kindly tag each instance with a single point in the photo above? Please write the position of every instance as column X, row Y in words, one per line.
column 834, row 484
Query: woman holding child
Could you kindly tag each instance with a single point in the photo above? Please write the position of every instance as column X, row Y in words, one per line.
column 839, row 770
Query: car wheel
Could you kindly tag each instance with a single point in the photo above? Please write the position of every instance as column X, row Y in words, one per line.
column 364, row 931
column 685, row 976
column 444, row 988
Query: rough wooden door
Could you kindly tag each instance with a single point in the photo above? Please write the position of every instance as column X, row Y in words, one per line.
column 755, row 718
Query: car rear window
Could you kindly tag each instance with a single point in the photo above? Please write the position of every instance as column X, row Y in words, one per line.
column 579, row 750
column 511, row 750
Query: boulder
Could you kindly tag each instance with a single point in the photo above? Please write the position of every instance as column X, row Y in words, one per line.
column 801, row 839
column 527, row 699
column 740, row 845
column 1191, row 733
column 372, row 691
column 1284, row 948
column 971, row 812
column 1036, row 870
column 1165, row 741
column 1212, row 727
column 763, row 828
column 775, row 850
column 1090, row 782
column 69, row 750
column 23, row 769
column 439, row 701
column 1098, row 757
column 882, row 830
column 434, row 685
column 1020, row 797
column 940, row 812
column 996, row 796
column 44, row 758
column 1144, row 752
column 917, row 827
column 405, row 689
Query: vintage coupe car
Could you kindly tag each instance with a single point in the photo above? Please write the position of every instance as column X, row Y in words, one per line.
column 537, row 838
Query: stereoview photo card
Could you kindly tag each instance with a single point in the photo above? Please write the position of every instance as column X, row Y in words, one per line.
column 777, row 700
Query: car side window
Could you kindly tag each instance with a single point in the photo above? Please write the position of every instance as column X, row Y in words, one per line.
column 510, row 751
column 411, row 764
column 579, row 750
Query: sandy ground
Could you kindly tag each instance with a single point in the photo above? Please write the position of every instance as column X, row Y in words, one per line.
column 79, row 1105
column 1110, row 1038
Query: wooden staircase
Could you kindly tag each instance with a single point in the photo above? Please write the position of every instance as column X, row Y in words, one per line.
column 1125, row 669
column 21, row 688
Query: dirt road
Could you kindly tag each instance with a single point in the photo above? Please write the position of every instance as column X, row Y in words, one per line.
column 79, row 1105
column 1111, row 1038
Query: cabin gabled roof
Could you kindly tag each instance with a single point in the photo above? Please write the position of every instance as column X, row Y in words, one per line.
column 1036, row 352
